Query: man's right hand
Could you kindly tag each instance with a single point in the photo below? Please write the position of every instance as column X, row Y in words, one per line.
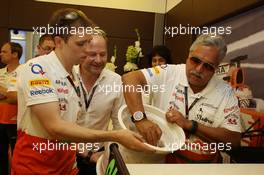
column 150, row 131
column 132, row 140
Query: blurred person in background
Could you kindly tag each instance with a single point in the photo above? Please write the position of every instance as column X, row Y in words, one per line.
column 159, row 55
column 46, row 45
column 10, row 55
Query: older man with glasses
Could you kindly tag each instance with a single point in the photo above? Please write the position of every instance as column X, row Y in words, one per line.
column 46, row 45
column 195, row 99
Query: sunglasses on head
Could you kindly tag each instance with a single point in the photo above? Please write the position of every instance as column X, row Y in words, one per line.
column 207, row 66
column 69, row 18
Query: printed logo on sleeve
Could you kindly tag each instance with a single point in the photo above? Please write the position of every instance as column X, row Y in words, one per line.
column 63, row 107
column 41, row 92
column 40, row 82
column 37, row 69
column 13, row 81
column 156, row 70
column 149, row 72
column 63, row 90
column 200, row 116
column 164, row 66
column 233, row 108
column 232, row 121
column 60, row 82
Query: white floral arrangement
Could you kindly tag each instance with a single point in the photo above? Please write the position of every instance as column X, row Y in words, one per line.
column 133, row 55
column 111, row 65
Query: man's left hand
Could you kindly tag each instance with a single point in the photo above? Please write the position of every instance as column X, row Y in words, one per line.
column 174, row 116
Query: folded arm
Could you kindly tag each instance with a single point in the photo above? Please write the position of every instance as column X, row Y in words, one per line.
column 8, row 96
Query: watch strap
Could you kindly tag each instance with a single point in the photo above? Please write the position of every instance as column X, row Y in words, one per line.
column 194, row 127
column 144, row 116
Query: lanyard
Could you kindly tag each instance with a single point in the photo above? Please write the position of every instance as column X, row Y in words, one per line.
column 76, row 89
column 187, row 109
column 87, row 102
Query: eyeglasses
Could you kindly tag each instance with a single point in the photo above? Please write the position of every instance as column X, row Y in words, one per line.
column 208, row 66
column 47, row 49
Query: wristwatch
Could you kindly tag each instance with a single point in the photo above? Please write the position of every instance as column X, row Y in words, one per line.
column 138, row 116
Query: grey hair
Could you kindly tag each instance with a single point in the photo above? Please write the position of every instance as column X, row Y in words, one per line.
column 211, row 40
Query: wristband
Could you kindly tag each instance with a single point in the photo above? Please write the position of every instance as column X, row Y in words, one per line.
column 194, row 127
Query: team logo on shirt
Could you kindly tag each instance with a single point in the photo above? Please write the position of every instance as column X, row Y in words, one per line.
column 156, row 70
column 37, row 69
column 232, row 121
column 63, row 90
column 164, row 66
column 200, row 117
column 173, row 106
column 40, row 82
column 232, row 116
column 60, row 82
column 63, row 107
column 42, row 92
column 233, row 108
column 209, row 106
column 179, row 90
column 149, row 72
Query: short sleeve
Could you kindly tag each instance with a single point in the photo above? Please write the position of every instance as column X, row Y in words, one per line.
column 36, row 83
column 231, row 114
column 156, row 75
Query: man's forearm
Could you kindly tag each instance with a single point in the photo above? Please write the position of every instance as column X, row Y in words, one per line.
column 8, row 96
column 206, row 133
column 48, row 116
column 77, row 133
column 133, row 98
column 149, row 130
